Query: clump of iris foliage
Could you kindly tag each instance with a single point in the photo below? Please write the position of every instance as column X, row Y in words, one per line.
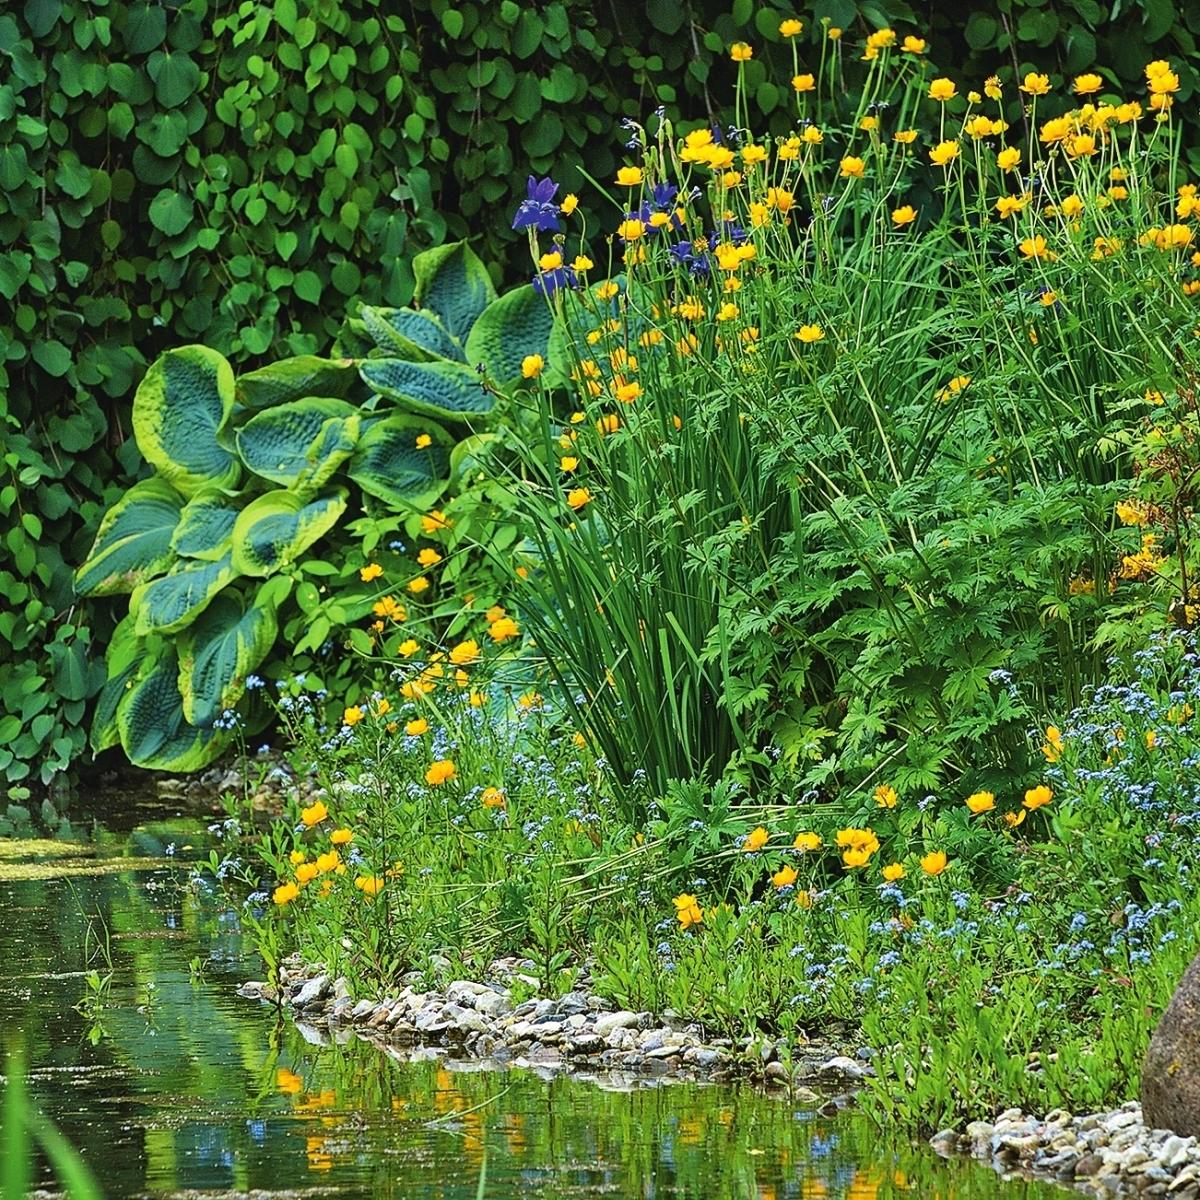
column 854, row 457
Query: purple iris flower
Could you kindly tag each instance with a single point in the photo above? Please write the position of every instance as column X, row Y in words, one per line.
column 734, row 233
column 549, row 282
column 663, row 194
column 538, row 210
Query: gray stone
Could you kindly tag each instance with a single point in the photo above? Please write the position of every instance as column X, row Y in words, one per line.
column 316, row 989
column 608, row 1023
column 493, row 1004
column 1171, row 1071
column 844, row 1067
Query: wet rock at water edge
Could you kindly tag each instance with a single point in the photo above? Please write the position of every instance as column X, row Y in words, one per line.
column 1171, row 1072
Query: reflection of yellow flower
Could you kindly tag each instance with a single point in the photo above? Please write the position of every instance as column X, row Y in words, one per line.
column 288, row 1082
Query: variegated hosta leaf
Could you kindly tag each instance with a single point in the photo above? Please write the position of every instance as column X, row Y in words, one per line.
column 413, row 333
column 173, row 602
column 154, row 732
column 279, row 526
column 179, row 411
column 294, row 378
column 205, row 525
column 448, row 391
column 516, row 325
column 133, row 543
column 222, row 646
column 453, row 282
column 306, row 439
column 389, row 464
column 123, row 659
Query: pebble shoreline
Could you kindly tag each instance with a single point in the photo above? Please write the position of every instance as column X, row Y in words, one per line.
column 576, row 1032
column 1106, row 1154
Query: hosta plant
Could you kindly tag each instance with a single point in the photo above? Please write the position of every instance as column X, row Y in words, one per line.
column 240, row 533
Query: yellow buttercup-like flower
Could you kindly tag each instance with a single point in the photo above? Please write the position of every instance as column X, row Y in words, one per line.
column 741, row 52
column 1035, row 85
column 756, row 839
column 981, row 802
column 629, row 176
column 935, row 862
column 943, row 90
column 904, row 215
column 809, row 334
column 441, row 771
column 944, row 153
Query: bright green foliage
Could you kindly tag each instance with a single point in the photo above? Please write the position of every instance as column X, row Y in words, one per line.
column 505, row 333
column 181, row 173
column 211, row 551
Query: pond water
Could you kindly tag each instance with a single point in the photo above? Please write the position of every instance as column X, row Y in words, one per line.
column 170, row 1085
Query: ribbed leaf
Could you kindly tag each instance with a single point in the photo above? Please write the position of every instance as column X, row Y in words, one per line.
column 517, row 324
column 415, row 334
column 448, row 391
column 294, row 378
column 206, row 525
column 224, row 645
column 306, row 439
column 173, row 602
column 389, row 465
column 123, row 659
column 133, row 543
column 154, row 732
column 453, row 282
column 180, row 408
column 278, row 527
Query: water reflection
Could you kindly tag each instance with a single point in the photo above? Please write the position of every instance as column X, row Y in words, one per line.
column 189, row 1089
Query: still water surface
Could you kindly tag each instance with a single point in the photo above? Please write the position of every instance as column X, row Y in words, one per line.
column 176, row 1087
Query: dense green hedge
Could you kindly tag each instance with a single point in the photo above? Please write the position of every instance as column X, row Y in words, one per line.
column 238, row 173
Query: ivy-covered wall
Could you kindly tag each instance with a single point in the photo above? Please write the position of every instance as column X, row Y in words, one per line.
column 238, row 173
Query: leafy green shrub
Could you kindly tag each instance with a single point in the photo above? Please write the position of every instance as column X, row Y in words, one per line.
column 231, row 541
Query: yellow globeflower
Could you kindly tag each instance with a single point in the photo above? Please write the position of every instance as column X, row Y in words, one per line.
column 893, row 871
column 935, row 862
column 809, row 334
column 784, row 877
column 285, row 893
column 1087, row 85
column 807, row 841
column 629, row 177
column 981, row 802
column 944, row 153
column 756, row 839
column 852, row 167
column 804, row 83
column 791, row 28
column 942, row 90
column 904, row 215
column 532, row 365
column 1035, row 85
column 1038, row 797
column 314, row 814
column 369, row 572
column 741, row 52
column 441, row 771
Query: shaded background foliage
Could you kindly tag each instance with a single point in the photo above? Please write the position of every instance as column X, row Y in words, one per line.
column 239, row 174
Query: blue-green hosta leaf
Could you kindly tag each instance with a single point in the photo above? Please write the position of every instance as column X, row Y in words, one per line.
column 206, row 525
column 389, row 465
column 353, row 340
column 123, row 659
column 224, row 645
column 517, row 324
column 307, row 439
column 294, row 378
column 448, row 391
column 278, row 527
column 133, row 543
column 173, row 602
column 453, row 282
column 413, row 333
column 154, row 732
column 179, row 411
